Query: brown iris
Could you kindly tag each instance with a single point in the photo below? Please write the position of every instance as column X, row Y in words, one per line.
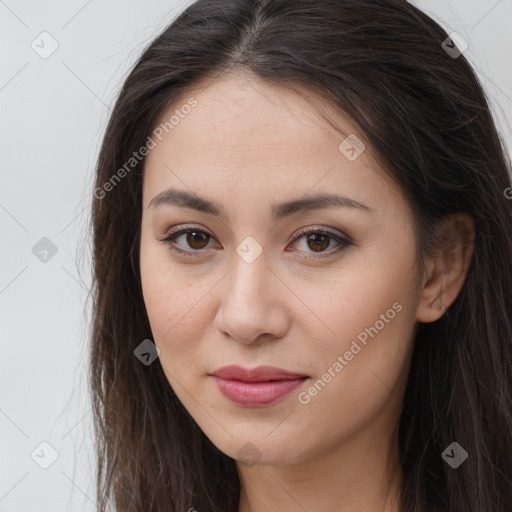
column 197, row 240
column 320, row 241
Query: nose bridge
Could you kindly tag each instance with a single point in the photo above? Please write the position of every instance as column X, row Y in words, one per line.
column 247, row 306
column 248, row 279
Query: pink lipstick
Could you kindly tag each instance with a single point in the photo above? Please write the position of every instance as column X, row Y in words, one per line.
column 263, row 385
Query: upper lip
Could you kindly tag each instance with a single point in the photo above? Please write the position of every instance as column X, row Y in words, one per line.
column 258, row 374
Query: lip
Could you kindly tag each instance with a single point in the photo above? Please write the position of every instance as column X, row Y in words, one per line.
column 256, row 387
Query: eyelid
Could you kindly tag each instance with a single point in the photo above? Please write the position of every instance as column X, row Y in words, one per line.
column 324, row 229
column 183, row 227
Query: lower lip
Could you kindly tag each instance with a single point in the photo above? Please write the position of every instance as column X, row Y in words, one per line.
column 255, row 394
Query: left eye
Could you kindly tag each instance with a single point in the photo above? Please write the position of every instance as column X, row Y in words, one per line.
column 317, row 240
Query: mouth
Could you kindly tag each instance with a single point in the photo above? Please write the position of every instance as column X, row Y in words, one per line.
column 256, row 387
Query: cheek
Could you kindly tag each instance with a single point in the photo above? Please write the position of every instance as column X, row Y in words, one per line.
column 371, row 318
column 177, row 310
column 354, row 300
column 176, row 321
column 357, row 381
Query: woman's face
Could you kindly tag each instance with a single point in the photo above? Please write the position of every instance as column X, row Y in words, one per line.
column 336, row 307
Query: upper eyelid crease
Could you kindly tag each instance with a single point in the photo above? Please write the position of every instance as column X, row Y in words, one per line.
column 187, row 199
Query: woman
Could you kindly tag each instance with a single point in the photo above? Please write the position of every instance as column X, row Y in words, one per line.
column 302, row 241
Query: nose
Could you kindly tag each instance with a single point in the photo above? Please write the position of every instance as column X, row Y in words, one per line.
column 253, row 302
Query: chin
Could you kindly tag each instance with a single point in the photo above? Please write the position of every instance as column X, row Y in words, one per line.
column 258, row 449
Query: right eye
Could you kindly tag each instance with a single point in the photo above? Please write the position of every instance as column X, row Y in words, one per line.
column 196, row 240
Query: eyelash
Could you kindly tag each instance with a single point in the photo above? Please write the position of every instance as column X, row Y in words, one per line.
column 343, row 242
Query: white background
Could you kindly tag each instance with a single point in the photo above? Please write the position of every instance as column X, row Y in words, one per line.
column 53, row 113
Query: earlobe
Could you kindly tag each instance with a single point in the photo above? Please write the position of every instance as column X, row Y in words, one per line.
column 447, row 269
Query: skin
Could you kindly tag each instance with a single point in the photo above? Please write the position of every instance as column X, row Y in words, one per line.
column 248, row 145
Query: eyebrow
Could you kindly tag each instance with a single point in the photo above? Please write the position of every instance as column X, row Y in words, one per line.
column 182, row 198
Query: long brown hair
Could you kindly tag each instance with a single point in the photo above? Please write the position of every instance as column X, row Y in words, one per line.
column 424, row 114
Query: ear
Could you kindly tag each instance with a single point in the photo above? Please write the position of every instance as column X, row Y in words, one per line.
column 447, row 269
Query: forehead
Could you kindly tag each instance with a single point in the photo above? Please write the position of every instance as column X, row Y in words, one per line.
column 248, row 137
column 242, row 111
